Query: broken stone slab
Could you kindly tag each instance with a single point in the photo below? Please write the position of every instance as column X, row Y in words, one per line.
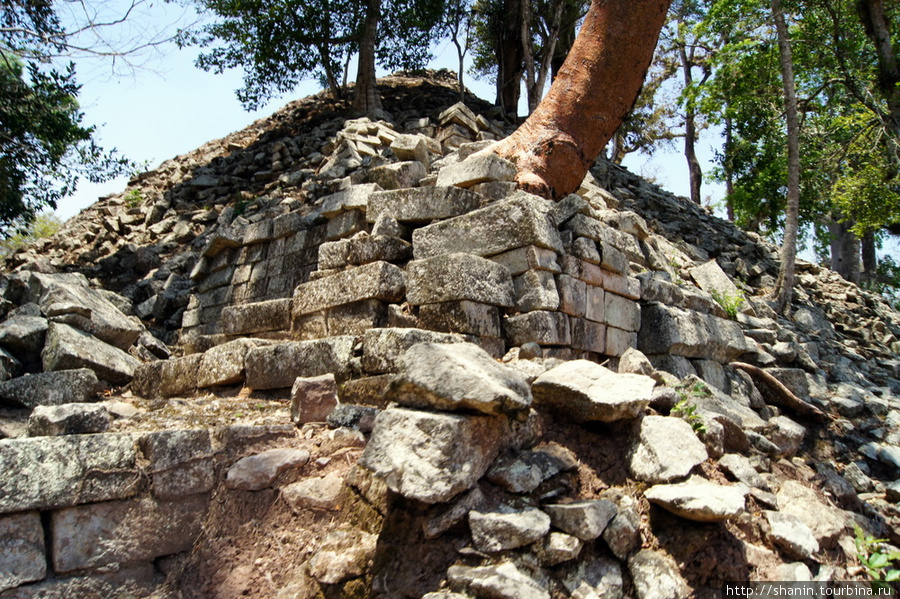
column 121, row 532
column 354, row 197
column 477, row 169
column 378, row 280
column 256, row 472
column 502, row 581
column 421, row 204
column 712, row 279
column 431, row 457
column 585, row 520
column 68, row 348
column 592, row 577
column 23, row 336
column 398, row 175
column 50, row 388
column 525, row 472
column 526, row 258
column 352, row 417
column 460, row 114
column 827, row 523
column 318, row 493
column 22, row 554
column 507, row 529
column 383, row 347
column 457, row 377
column 668, row 330
column 410, row 147
column 257, row 317
column 741, row 468
column 557, row 548
column 699, row 500
column 313, row 398
column 365, row 249
column 792, row 535
column 656, row 576
column 181, row 462
column 666, row 449
column 584, row 391
column 278, row 366
column 458, row 276
column 50, row 472
column 463, row 316
column 541, row 327
column 68, row 419
column 344, row 553
column 492, row 230
column 536, row 290
column 224, row 364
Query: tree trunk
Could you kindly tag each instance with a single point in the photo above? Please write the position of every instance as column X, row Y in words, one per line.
column 729, row 171
column 784, row 288
column 510, row 63
column 590, row 98
column 367, row 98
column 695, row 173
column 570, row 17
column 844, row 250
column 869, row 257
column 871, row 13
column 528, row 55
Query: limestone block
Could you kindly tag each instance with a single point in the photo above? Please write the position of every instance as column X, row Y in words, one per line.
column 458, row 276
column 622, row 313
column 588, row 335
column 50, row 472
column 507, row 529
column 24, row 336
column 666, row 449
column 585, row 520
column 656, row 575
column 318, row 493
column 247, row 319
column 313, row 398
column 22, row 555
column 364, row 249
column 613, row 259
column 224, row 364
column 258, row 232
column 278, row 366
column 586, row 249
column 383, row 347
column 119, row 532
column 529, row 469
column 398, row 175
column 355, row 197
column 497, row 228
column 256, row 472
column 712, row 279
column 595, row 303
column 543, row 328
column 477, row 169
column 50, row 388
column 181, row 462
column 345, row 224
column 463, row 316
column 68, row 348
column 572, row 295
column 378, row 280
column 459, row 114
column 410, row 147
column 690, row 334
column 526, row 258
column 68, row 419
column 422, row 204
column 619, row 341
column 536, row 290
column 356, row 318
column 700, row 500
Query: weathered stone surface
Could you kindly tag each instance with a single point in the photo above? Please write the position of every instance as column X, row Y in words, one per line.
column 792, row 535
column 50, row 388
column 411, row 147
column 349, row 416
column 700, row 500
column 68, row 419
column 488, row 231
column 621, row 313
column 344, row 553
column 68, row 348
column 398, row 175
column 23, row 336
column 592, row 577
column 588, row 335
column 22, row 554
column 536, row 290
column 507, row 529
column 666, row 449
column 50, row 472
column 542, row 327
column 181, row 462
column 354, row 197
column 530, row 257
column 557, row 548
column 712, row 279
column 120, row 532
column 623, row 533
column 741, row 469
column 365, row 249
column 383, row 347
column 422, row 204
column 431, row 457
column 476, row 169
column 246, row 319
column 259, row 471
column 572, row 295
column 464, row 316
column 313, row 398
column 786, row 434
column 584, row 391
column 826, row 522
column 525, row 472
column 137, row 580
column 224, row 364
column 583, row 519
column 656, row 576
column 459, row 276
column 444, row 520
column 668, row 330
column 378, row 280
column 319, row 493
column 278, row 366
column 503, row 581
column 458, row 376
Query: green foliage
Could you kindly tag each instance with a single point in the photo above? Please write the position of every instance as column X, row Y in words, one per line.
column 688, row 412
column 731, row 303
column 876, row 560
column 133, row 198
column 886, row 281
column 41, row 226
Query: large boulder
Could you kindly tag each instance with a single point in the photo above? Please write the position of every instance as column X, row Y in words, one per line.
column 666, row 449
column 68, row 348
column 670, row 330
column 50, row 388
column 278, row 366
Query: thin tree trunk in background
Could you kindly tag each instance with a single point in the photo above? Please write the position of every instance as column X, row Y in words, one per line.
column 729, row 172
column 874, row 21
column 567, row 30
column 869, row 257
column 595, row 89
column 367, row 99
column 695, row 173
column 528, row 55
column 784, row 287
column 844, row 250
column 510, row 63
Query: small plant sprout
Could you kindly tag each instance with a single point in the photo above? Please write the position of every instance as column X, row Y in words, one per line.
column 877, row 559
column 730, row 302
column 688, row 412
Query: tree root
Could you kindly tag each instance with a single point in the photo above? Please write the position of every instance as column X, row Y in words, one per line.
column 775, row 392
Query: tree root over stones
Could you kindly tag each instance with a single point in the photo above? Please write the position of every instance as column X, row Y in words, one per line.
column 775, row 392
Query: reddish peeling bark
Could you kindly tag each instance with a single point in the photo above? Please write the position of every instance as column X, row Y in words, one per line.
column 595, row 89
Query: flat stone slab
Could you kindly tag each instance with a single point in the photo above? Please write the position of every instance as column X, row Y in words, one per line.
column 584, row 391
column 224, row 364
column 68, row 419
column 502, row 581
column 383, row 347
column 50, row 388
column 22, row 554
column 181, row 462
column 827, row 523
column 792, row 535
column 431, row 457
column 668, row 330
column 459, row 276
column 378, row 280
column 585, row 520
column 278, row 366
column 256, row 472
column 700, row 500
column 504, row 530
column 68, row 348
column 422, row 204
column 258, row 317
column 353, row 198
column 667, row 448
column 477, row 169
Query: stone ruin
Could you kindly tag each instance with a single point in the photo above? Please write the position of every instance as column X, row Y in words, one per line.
column 587, row 398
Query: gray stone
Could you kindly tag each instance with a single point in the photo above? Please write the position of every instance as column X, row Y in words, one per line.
column 572, row 295
column 459, row 376
column 318, row 493
column 668, row 330
column 712, row 279
column 634, row 361
column 68, row 419
column 344, row 553
column 858, row 479
column 741, row 469
column 536, row 290
column 313, row 398
column 410, row 147
column 813, row 321
column 459, row 276
column 584, row 391
column 525, row 472
column 354, row 197
column 349, row 416
column 594, row 577
column 246, row 319
column 431, row 457
column 501, row 581
column 699, row 500
column 278, row 366
column 224, row 364
column 542, row 327
column 121, row 532
column 477, row 169
column 530, row 257
column 656, row 576
column 422, row 204
column 497, row 228
column 583, row 519
column 826, row 522
column 365, row 249
column 50, row 388
column 786, row 434
column 50, row 472
column 557, row 548
column 792, row 535
column 181, row 462
column 666, row 449
column 507, row 529
column 22, row 554
column 68, row 348
column 623, row 533
column 382, row 347
column 592, row 336
column 398, row 175
column 23, row 336
column 378, row 280
column 463, row 316
column 259, row 471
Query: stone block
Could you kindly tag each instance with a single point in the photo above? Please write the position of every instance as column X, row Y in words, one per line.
column 366, row 391
column 22, row 554
column 224, row 364
column 595, row 303
column 458, row 276
column 422, row 204
column 120, row 532
column 309, row 326
column 24, row 336
column 690, row 334
column 398, row 175
column 572, row 295
column 464, row 316
column 410, row 147
column 584, row 391
column 313, row 398
column 355, row 197
column 536, row 290
column 356, row 318
column 278, row 366
column 712, row 279
column 588, row 335
column 334, row 254
column 491, row 230
column 50, row 472
column 382, row 347
column 178, row 375
column 50, row 388
column 68, row 348
column 527, row 258
column 619, row 341
column 613, row 259
column 622, row 313
column 543, row 328
column 586, row 249
column 345, row 224
column 287, row 224
column 272, row 315
column 378, row 280
column 459, row 114
column 364, row 249
column 258, row 232
column 181, row 462
column 477, row 169
column 68, row 419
